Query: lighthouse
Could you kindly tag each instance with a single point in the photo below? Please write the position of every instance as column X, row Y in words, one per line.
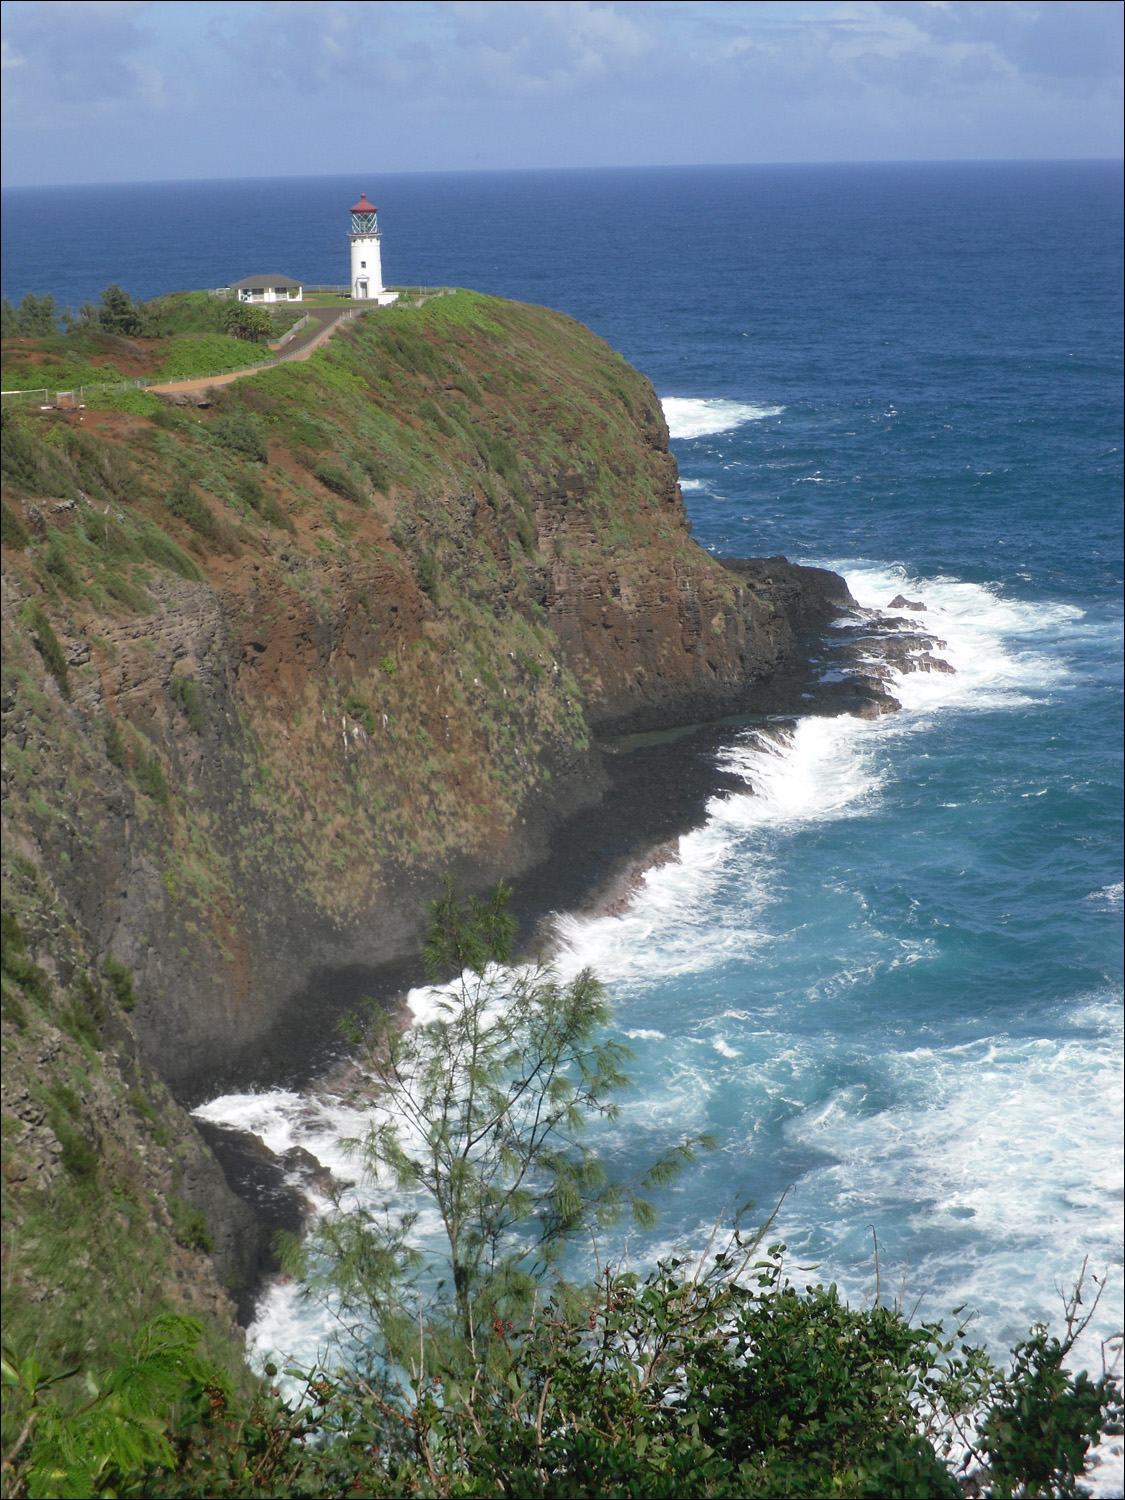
column 367, row 268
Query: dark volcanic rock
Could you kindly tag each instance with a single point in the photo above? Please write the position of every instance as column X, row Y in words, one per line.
column 247, row 733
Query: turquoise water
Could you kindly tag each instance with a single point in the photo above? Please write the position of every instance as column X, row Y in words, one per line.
column 889, row 973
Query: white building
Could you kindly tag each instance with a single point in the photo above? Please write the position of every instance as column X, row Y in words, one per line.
column 270, row 288
column 367, row 262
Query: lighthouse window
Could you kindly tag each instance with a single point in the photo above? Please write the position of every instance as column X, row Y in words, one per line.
column 363, row 265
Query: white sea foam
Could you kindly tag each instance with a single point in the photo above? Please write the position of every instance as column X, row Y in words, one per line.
column 709, row 905
column 824, row 769
column 1003, row 650
column 1005, row 1166
column 1109, row 898
column 689, row 417
column 1004, row 653
column 998, row 1174
column 288, row 1327
column 724, row 1048
column 282, row 1120
column 689, row 485
column 706, row 908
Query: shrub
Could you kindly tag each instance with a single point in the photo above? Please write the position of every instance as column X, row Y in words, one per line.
column 77, row 1157
column 357, row 707
column 148, row 774
column 184, row 503
column 242, row 320
column 47, row 644
column 126, row 593
column 525, row 530
column 251, row 493
column 20, row 455
column 377, row 472
column 137, row 403
column 428, row 574
column 18, row 967
column 12, row 939
column 185, row 692
column 120, row 983
column 333, row 477
column 431, row 414
column 13, row 533
column 115, row 749
column 57, row 564
column 242, row 433
column 202, row 354
column 159, row 548
column 113, row 539
column 102, row 470
column 189, row 1226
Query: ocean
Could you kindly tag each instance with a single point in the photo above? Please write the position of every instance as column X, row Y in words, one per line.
column 888, row 973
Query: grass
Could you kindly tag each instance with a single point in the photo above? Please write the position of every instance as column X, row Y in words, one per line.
column 407, row 461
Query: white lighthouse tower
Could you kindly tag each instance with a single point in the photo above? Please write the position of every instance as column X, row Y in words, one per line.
column 367, row 267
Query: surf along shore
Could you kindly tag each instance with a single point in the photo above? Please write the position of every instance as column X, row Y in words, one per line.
column 659, row 786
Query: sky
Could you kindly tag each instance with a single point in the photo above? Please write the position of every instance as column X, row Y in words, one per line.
column 165, row 90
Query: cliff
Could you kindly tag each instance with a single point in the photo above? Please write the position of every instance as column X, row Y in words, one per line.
column 281, row 656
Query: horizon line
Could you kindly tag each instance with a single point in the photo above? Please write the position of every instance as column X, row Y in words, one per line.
column 953, row 161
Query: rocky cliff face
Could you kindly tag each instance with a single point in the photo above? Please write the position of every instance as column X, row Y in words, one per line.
column 277, row 661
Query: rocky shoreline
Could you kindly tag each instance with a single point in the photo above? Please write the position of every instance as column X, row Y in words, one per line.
column 427, row 605
column 658, row 787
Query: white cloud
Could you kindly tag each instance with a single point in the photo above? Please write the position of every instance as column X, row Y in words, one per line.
column 72, row 57
column 527, row 48
column 453, row 83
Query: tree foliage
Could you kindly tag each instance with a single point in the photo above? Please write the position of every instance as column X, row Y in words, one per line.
column 712, row 1380
column 120, row 314
column 33, row 317
column 118, row 1427
column 480, row 1370
column 480, row 1113
column 243, row 320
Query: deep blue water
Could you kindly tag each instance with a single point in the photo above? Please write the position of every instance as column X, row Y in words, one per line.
column 891, row 974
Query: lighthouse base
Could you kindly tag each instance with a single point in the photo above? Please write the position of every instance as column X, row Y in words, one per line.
column 382, row 298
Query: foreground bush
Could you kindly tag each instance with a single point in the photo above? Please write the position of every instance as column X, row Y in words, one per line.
column 725, row 1382
column 482, row 1372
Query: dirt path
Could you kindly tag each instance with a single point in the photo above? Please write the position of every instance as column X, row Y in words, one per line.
column 323, row 322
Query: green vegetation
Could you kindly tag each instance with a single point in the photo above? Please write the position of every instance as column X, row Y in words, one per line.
column 481, row 1112
column 713, row 1379
column 35, row 317
column 242, row 432
column 692, row 1382
column 183, row 502
column 47, row 643
column 244, row 320
column 13, row 532
column 121, row 1426
column 171, row 338
column 148, row 774
column 357, row 707
column 184, row 691
column 120, row 983
column 381, row 532
column 334, row 478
